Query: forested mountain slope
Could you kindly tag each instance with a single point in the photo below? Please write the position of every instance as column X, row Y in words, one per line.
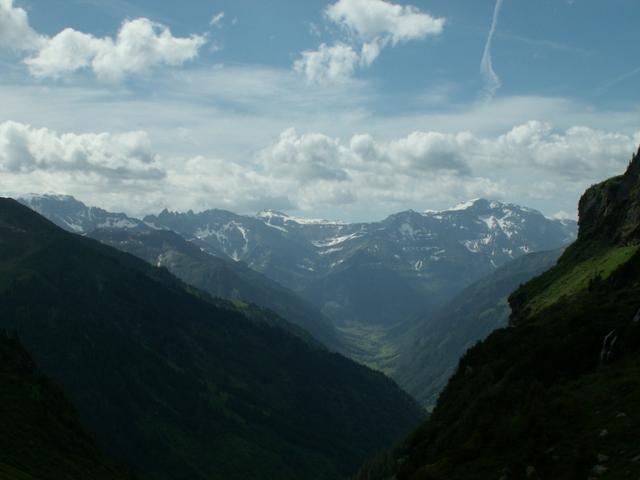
column 557, row 394
column 220, row 277
column 41, row 437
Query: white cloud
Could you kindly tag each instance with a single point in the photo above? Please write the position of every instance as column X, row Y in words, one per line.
column 15, row 31
column 305, row 158
column 370, row 26
column 378, row 20
column 492, row 81
column 328, row 64
column 127, row 156
column 139, row 46
column 216, row 20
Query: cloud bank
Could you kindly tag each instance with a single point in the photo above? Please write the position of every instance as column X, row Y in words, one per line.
column 314, row 172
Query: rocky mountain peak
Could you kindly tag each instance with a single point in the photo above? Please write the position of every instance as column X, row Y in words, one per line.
column 611, row 210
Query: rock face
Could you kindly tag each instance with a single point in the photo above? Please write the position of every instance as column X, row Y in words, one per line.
column 611, row 210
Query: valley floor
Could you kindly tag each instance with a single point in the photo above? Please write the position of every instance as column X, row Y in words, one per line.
column 370, row 345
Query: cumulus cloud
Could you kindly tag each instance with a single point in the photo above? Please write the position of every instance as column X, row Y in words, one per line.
column 15, row 31
column 369, row 25
column 139, row 46
column 372, row 20
column 25, row 150
column 491, row 78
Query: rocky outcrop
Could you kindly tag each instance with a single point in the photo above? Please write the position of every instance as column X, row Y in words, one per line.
column 611, row 210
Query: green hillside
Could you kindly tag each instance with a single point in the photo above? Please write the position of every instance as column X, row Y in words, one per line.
column 180, row 386
column 556, row 395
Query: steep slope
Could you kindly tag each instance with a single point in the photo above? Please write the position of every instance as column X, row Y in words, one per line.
column 176, row 384
column 219, row 277
column 557, row 394
column 41, row 436
column 431, row 349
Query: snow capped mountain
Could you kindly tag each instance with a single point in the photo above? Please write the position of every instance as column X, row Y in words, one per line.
column 374, row 272
column 377, row 272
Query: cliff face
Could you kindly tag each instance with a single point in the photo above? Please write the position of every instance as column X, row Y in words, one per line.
column 610, row 210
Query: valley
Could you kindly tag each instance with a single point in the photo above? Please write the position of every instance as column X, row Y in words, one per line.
column 319, row 240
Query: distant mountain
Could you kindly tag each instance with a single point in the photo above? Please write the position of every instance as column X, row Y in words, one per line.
column 73, row 215
column 41, row 436
column 376, row 273
column 432, row 347
column 179, row 385
column 381, row 272
column 220, row 277
column 557, row 393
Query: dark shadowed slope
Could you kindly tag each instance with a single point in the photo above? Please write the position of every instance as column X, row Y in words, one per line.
column 219, row 277
column 40, row 435
column 176, row 384
column 557, row 394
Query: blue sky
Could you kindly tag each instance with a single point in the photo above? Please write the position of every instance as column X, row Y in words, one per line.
column 347, row 109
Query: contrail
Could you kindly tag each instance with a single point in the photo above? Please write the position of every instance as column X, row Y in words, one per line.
column 492, row 81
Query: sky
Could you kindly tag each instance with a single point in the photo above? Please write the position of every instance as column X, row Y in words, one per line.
column 343, row 109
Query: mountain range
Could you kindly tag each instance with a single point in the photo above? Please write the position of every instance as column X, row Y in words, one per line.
column 377, row 273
